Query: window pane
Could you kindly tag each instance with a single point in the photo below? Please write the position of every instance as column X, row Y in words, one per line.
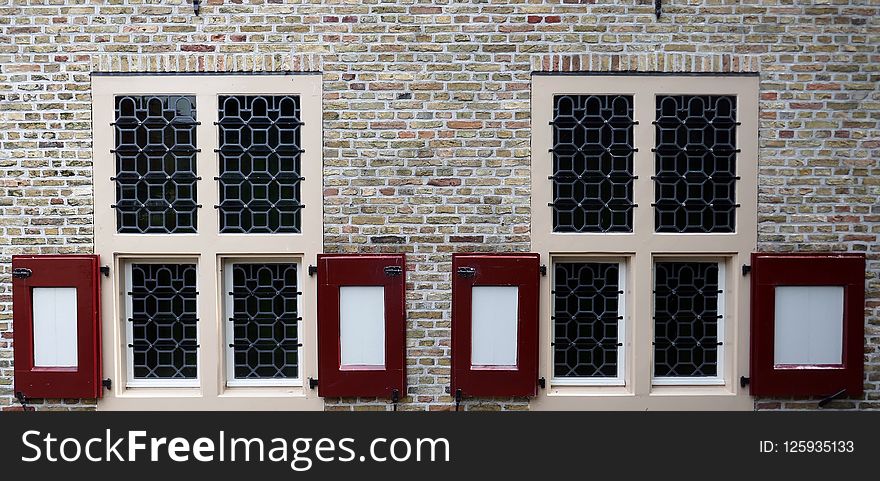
column 494, row 323
column 260, row 164
column 686, row 315
column 695, row 163
column 265, row 321
column 586, row 319
column 592, row 163
column 155, row 164
column 163, row 321
column 362, row 326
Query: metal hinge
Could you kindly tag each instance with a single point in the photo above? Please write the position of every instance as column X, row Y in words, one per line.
column 105, row 270
column 395, row 398
column 313, row 383
column 107, row 383
column 838, row 394
column 458, row 397
column 543, row 269
column 467, row 271
column 743, row 381
column 542, row 382
column 746, row 269
column 21, row 272
column 393, row 271
column 313, row 270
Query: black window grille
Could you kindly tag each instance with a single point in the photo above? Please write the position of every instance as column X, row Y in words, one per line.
column 264, row 321
column 686, row 319
column 695, row 162
column 592, row 163
column 586, row 319
column 155, row 150
column 163, row 321
column 260, row 164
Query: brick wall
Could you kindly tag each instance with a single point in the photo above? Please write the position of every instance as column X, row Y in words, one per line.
column 426, row 121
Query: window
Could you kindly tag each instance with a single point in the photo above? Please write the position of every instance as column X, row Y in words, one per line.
column 648, row 185
column 688, row 315
column 588, row 329
column 201, row 187
column 263, row 323
column 162, row 323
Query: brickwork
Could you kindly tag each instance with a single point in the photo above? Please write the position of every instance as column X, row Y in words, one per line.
column 426, row 124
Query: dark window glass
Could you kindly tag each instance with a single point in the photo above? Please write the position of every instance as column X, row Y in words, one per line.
column 686, row 319
column 695, row 156
column 155, row 150
column 264, row 321
column 592, row 163
column 260, row 164
column 163, row 308
column 586, row 298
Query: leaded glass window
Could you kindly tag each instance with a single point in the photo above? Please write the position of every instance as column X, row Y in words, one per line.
column 264, row 320
column 260, row 164
column 586, row 319
column 592, row 163
column 695, row 161
column 155, row 151
column 163, row 321
column 686, row 319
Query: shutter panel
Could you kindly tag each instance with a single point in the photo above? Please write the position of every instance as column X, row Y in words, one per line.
column 808, row 324
column 56, row 326
column 361, row 325
column 495, row 324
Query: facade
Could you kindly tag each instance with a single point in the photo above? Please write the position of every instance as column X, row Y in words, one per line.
column 432, row 128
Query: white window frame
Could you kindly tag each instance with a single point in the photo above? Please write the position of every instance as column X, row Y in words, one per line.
column 641, row 247
column 226, row 293
column 207, row 247
column 130, row 381
column 622, row 300
column 718, row 379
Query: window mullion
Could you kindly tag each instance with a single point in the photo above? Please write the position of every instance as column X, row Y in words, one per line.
column 208, row 163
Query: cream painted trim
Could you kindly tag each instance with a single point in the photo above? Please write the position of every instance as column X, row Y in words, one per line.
column 643, row 245
column 207, row 247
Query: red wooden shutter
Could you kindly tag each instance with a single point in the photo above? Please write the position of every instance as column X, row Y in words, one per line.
column 771, row 377
column 522, row 271
column 338, row 271
column 80, row 375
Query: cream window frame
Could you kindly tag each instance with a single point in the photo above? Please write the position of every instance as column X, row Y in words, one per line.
column 207, row 247
column 643, row 246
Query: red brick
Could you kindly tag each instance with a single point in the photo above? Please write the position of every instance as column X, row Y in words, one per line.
column 464, row 124
column 446, row 182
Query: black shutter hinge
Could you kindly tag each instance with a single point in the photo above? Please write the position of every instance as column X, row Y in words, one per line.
column 107, row 383
column 457, row 398
column 105, row 270
column 21, row 272
column 542, row 383
column 837, row 395
column 22, row 399
column 543, row 269
column 313, row 270
column 658, row 5
column 743, row 381
column 313, row 383
column 395, row 397
column 746, row 269
column 466, row 271
column 393, row 271
column 197, row 5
